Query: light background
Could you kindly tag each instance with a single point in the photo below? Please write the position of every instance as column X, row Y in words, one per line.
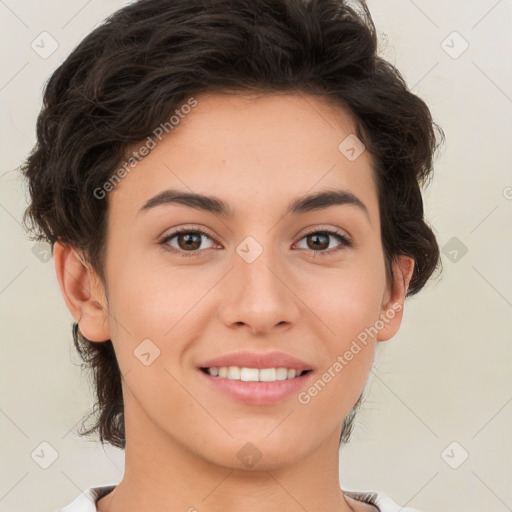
column 445, row 377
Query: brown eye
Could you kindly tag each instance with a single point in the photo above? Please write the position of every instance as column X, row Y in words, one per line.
column 187, row 240
column 318, row 242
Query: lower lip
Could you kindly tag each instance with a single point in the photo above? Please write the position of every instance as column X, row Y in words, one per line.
column 258, row 393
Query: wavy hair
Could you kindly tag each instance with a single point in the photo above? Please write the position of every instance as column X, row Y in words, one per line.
column 135, row 69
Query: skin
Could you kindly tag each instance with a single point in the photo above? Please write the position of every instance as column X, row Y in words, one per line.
column 257, row 153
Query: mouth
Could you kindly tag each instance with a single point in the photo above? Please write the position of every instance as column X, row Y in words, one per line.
column 246, row 374
column 276, row 389
column 256, row 378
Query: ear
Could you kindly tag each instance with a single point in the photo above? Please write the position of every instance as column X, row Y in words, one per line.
column 393, row 303
column 83, row 292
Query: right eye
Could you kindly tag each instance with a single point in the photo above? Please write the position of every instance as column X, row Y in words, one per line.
column 188, row 241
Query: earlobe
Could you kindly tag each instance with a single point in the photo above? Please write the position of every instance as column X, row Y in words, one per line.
column 392, row 310
column 82, row 291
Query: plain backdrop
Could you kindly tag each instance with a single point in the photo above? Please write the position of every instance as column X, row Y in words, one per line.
column 435, row 431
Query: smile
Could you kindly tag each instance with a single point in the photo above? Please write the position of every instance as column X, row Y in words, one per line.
column 254, row 374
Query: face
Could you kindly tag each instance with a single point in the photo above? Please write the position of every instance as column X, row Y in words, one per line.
column 256, row 278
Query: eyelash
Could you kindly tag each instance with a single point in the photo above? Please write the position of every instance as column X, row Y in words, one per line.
column 345, row 242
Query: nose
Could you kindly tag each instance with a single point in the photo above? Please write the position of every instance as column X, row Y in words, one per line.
column 259, row 296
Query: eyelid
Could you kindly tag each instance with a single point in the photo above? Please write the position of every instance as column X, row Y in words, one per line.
column 328, row 229
column 171, row 232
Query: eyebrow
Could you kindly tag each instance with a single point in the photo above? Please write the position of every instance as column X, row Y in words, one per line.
column 212, row 204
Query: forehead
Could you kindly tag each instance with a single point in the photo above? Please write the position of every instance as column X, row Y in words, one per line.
column 265, row 147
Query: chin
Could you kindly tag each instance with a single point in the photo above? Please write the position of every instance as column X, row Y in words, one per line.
column 255, row 452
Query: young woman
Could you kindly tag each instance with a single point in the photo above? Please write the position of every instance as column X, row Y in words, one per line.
column 232, row 191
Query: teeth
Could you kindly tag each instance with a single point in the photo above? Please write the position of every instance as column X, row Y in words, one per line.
column 233, row 373
column 281, row 374
column 249, row 374
column 254, row 374
column 267, row 374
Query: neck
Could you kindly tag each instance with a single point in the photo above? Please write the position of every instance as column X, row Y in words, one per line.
column 160, row 474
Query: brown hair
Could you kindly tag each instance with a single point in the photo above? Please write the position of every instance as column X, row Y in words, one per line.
column 134, row 70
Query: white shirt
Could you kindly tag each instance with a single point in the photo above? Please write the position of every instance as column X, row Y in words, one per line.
column 86, row 502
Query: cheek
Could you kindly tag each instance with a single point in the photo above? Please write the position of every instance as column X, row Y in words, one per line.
column 152, row 302
column 151, row 297
column 349, row 303
column 348, row 300
column 349, row 310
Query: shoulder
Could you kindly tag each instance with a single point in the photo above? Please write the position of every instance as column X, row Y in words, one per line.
column 86, row 502
column 382, row 502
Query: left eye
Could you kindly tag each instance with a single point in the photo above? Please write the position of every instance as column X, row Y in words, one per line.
column 318, row 241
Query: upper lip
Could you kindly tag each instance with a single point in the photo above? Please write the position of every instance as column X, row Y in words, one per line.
column 257, row 360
